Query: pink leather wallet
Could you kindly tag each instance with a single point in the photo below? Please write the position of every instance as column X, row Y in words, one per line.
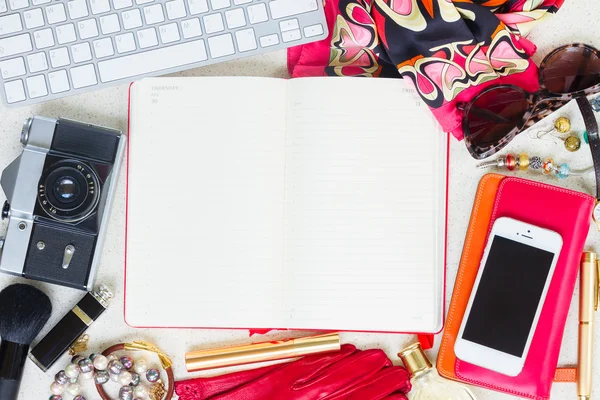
column 568, row 213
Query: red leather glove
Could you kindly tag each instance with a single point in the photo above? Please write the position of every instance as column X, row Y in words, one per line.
column 350, row 374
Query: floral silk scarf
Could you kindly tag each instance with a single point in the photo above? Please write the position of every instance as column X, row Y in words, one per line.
column 449, row 49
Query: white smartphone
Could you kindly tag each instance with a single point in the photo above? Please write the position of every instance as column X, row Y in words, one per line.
column 509, row 292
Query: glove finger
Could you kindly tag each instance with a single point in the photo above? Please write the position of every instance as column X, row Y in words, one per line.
column 205, row 388
column 395, row 396
column 389, row 380
column 348, row 372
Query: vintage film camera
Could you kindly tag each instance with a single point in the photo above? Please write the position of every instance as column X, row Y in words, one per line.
column 59, row 192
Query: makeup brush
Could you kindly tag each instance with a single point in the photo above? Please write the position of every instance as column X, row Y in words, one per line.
column 24, row 311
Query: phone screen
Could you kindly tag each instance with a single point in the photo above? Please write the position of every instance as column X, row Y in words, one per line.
column 507, row 298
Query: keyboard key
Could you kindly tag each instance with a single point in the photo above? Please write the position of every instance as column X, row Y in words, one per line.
column 240, row 2
column 198, row 6
column 235, row 18
column 37, row 62
column 313, row 30
column 110, row 24
column 152, row 61
column 15, row 45
column 103, row 48
column 10, row 24
column 87, row 29
column 36, row 86
column 66, row 34
column 289, row 25
column 77, row 9
column 59, row 57
column 169, row 33
column 221, row 46
column 83, row 76
column 269, row 40
column 132, row 19
column 15, row 91
column 3, row 7
column 12, row 68
column 43, row 38
column 33, row 18
column 219, row 4
column 56, row 13
column 38, row 2
column 125, row 43
column 175, row 9
column 99, row 6
column 81, row 52
column 59, row 82
column 191, row 28
column 154, row 14
column 147, row 38
column 257, row 13
column 246, row 40
column 143, row 1
column 213, row 23
column 18, row 4
column 288, row 8
column 118, row 4
column 290, row 36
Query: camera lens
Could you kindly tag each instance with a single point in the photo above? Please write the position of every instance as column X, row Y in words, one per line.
column 66, row 189
column 69, row 190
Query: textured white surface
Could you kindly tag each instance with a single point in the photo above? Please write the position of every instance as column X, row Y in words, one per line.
column 577, row 21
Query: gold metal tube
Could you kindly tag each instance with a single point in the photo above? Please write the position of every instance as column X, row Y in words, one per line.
column 258, row 352
column 588, row 286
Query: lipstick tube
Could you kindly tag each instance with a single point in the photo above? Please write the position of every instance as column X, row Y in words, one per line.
column 71, row 327
column 258, row 352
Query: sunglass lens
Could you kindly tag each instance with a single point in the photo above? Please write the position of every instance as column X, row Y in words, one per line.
column 493, row 115
column 571, row 69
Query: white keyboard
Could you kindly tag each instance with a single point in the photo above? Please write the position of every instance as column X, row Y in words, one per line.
column 55, row 48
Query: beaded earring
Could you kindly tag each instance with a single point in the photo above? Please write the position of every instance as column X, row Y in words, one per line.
column 562, row 126
column 523, row 162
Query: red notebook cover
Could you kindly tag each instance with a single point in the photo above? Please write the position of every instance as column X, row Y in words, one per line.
column 568, row 213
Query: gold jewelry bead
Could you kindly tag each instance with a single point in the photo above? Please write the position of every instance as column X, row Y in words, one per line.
column 562, row 125
column 523, row 161
column 572, row 143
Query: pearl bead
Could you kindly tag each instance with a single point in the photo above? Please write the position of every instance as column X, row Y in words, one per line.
column 74, row 389
column 76, row 359
column 125, row 378
column 115, row 367
column 127, row 362
column 112, row 357
column 141, row 391
column 57, row 388
column 72, row 370
column 135, row 379
column 87, row 375
column 141, row 366
column 114, row 377
column 126, row 393
column 55, row 397
column 61, row 378
column 73, row 380
column 152, row 375
column 100, row 362
column 80, row 397
column 86, row 365
column 101, row 377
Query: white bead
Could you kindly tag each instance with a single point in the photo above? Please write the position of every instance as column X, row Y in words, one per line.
column 141, row 391
column 125, row 378
column 112, row 357
column 57, row 388
column 72, row 370
column 74, row 389
column 100, row 362
column 114, row 377
column 87, row 375
column 141, row 366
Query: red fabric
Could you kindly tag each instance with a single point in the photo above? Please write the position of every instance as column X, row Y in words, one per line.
column 426, row 341
column 349, row 374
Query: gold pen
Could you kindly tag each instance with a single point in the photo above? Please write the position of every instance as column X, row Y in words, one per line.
column 588, row 303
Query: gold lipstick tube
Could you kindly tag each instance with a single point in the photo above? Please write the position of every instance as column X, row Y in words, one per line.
column 587, row 302
column 258, row 352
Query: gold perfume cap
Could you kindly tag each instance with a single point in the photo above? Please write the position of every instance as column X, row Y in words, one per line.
column 414, row 359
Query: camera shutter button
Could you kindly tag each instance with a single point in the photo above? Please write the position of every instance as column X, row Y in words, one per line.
column 68, row 256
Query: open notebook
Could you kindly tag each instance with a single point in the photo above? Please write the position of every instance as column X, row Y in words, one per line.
column 313, row 203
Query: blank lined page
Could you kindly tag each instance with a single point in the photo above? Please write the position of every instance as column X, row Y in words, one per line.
column 365, row 207
column 205, row 203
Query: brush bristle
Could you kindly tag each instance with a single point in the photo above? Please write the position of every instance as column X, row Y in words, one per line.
column 24, row 310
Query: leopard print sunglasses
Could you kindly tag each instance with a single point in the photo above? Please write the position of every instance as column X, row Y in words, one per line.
column 496, row 115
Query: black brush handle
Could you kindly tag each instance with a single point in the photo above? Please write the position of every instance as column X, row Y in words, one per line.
column 12, row 360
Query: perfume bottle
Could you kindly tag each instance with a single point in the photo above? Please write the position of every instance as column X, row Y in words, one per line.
column 427, row 384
